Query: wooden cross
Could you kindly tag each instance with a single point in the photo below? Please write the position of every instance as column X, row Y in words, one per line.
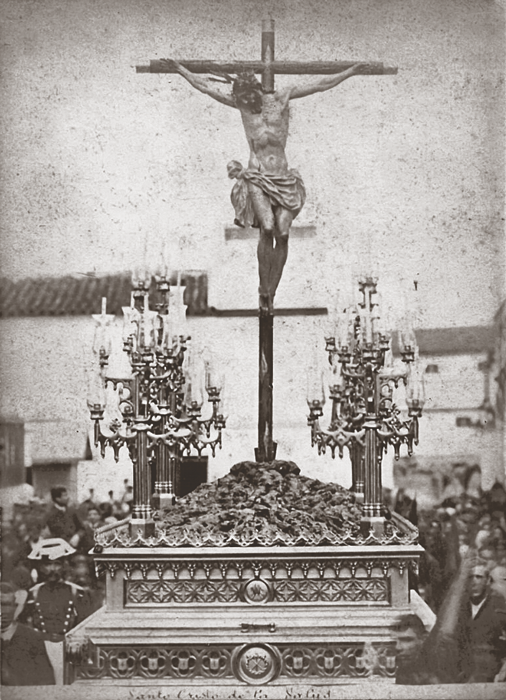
column 268, row 67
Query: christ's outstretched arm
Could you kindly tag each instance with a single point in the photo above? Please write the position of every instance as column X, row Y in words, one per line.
column 203, row 84
column 326, row 83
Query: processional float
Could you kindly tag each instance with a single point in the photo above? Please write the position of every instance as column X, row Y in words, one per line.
column 197, row 603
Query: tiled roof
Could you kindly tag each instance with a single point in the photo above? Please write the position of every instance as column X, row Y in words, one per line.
column 465, row 340
column 81, row 295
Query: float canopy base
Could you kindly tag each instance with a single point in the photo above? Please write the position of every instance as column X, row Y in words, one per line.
column 244, row 616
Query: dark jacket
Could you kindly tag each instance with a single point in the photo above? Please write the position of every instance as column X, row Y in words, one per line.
column 63, row 523
column 439, row 661
column 487, row 638
column 24, row 659
column 56, row 608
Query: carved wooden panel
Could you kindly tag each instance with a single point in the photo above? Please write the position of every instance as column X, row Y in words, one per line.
column 177, row 592
column 254, row 663
column 351, row 590
column 332, row 590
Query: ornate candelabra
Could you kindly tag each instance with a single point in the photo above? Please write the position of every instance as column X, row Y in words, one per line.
column 364, row 417
column 154, row 407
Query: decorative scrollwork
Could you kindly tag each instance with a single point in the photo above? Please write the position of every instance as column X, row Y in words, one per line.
column 332, row 590
column 183, row 662
column 297, row 661
column 123, row 663
column 178, row 592
column 153, row 664
column 279, row 569
column 397, row 533
column 216, row 663
column 329, row 661
column 257, row 591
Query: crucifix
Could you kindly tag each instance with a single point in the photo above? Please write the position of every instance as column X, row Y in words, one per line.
column 267, row 194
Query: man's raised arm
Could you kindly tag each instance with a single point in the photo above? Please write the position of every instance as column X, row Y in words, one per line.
column 202, row 84
column 326, row 83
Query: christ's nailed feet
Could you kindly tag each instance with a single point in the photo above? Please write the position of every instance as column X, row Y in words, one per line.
column 266, row 303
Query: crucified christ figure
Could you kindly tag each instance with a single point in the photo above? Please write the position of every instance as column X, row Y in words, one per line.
column 268, row 194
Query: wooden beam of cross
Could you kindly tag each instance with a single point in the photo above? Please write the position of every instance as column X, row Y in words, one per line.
column 267, row 67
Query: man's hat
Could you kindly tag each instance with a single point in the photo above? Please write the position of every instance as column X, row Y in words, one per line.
column 52, row 548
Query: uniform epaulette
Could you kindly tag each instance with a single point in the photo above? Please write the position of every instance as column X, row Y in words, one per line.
column 35, row 589
column 76, row 588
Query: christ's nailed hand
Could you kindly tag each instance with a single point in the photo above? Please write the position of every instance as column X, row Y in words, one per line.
column 171, row 63
column 360, row 68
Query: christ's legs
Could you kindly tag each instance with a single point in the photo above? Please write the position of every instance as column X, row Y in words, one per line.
column 265, row 250
column 284, row 219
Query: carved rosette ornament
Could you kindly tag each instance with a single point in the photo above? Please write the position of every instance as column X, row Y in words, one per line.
column 256, row 664
column 257, row 591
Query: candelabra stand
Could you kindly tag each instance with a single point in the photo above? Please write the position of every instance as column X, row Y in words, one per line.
column 157, row 404
column 364, row 417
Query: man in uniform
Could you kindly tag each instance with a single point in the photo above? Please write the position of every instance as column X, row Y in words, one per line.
column 54, row 606
column 267, row 195
column 24, row 656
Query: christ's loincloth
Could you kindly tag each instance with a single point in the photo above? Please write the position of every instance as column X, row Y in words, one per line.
column 286, row 191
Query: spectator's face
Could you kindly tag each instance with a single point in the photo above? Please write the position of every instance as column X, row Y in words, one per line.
column 498, row 579
column 500, row 551
column 52, row 570
column 63, row 499
column 478, row 581
column 34, row 532
column 487, row 553
column 22, row 530
column 81, row 573
column 498, row 534
column 8, row 605
column 485, row 521
column 407, row 644
column 93, row 517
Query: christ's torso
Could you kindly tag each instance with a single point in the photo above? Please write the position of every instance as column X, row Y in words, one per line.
column 267, row 133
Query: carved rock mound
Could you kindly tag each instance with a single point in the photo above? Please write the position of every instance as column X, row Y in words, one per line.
column 272, row 499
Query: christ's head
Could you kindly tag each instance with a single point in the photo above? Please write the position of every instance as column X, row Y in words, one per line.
column 248, row 93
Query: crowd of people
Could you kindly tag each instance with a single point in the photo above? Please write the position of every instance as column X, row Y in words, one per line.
column 48, row 580
column 462, row 577
column 448, row 530
column 57, row 517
